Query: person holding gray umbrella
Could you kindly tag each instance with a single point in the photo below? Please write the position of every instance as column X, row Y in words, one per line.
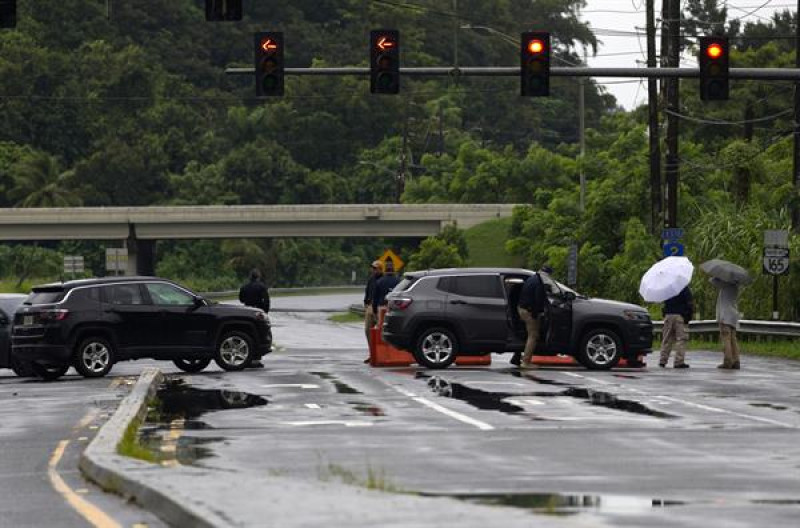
column 727, row 278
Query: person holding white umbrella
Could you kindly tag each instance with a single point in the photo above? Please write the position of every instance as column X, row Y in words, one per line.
column 668, row 281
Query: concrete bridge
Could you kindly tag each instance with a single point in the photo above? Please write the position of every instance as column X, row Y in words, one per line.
column 140, row 226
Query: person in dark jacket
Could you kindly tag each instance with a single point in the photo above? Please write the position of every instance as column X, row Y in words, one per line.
column 254, row 293
column 376, row 272
column 382, row 288
column 531, row 310
column 677, row 314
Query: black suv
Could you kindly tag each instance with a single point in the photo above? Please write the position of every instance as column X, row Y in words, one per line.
column 91, row 324
column 441, row 314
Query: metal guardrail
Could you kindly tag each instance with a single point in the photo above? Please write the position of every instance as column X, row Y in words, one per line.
column 333, row 289
column 746, row 326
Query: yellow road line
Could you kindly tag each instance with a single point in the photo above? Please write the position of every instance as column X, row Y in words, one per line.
column 86, row 420
column 87, row 510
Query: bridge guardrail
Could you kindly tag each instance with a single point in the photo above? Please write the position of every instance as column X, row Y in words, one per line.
column 235, row 293
column 746, row 326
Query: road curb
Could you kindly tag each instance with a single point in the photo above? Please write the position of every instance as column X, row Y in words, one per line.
column 100, row 463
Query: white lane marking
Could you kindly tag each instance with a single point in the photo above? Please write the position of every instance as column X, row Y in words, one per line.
column 329, row 422
column 313, row 406
column 732, row 413
column 444, row 410
column 524, row 401
column 705, row 407
column 479, row 382
column 292, row 385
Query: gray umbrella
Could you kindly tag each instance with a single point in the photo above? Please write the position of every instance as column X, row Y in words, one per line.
column 726, row 271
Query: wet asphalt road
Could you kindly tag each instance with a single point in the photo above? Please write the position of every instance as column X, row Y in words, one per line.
column 649, row 447
column 655, row 447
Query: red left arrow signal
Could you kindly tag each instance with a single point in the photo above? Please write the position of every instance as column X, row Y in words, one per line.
column 269, row 45
column 385, row 43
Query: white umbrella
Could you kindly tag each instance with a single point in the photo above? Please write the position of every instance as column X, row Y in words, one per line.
column 666, row 278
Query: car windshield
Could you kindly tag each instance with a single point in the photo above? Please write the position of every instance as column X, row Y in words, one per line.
column 10, row 305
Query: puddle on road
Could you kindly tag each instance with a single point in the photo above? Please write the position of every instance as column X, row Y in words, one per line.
column 563, row 504
column 494, row 401
column 177, row 408
column 340, row 386
column 368, row 409
column 769, row 406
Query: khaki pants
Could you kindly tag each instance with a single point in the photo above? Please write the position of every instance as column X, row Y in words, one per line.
column 674, row 333
column 532, row 327
column 727, row 334
column 369, row 322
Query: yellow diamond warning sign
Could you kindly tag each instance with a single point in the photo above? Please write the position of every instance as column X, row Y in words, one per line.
column 390, row 255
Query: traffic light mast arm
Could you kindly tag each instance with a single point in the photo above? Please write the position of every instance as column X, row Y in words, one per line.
column 767, row 74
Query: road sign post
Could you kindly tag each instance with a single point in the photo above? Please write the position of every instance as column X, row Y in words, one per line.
column 116, row 260
column 776, row 260
column 572, row 265
column 73, row 264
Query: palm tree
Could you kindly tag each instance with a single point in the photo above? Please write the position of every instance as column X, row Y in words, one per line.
column 39, row 182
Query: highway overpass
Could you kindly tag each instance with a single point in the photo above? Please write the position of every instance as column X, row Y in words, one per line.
column 140, row 226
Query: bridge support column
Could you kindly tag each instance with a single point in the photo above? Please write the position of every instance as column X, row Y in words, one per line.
column 141, row 255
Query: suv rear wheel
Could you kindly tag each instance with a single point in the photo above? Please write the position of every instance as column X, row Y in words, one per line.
column 436, row 348
column 20, row 368
column 234, row 351
column 601, row 349
column 191, row 365
column 94, row 357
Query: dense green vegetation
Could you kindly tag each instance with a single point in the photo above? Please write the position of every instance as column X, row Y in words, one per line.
column 135, row 109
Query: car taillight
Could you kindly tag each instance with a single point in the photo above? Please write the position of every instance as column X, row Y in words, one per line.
column 400, row 304
column 53, row 315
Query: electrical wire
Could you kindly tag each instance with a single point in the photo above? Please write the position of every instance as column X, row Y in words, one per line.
column 709, row 121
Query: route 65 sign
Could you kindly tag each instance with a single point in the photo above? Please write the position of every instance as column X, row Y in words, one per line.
column 776, row 261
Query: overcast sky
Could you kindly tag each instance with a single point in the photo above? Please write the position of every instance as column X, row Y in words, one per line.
column 621, row 51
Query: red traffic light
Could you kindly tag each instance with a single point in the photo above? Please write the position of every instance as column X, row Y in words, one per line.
column 385, row 42
column 269, row 45
column 536, row 46
column 714, row 51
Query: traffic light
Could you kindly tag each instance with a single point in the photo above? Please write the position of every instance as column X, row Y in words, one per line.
column 713, row 61
column 218, row 10
column 384, row 63
column 269, row 63
column 535, row 64
column 8, row 13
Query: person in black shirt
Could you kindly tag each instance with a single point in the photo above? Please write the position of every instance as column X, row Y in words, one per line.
column 531, row 308
column 376, row 272
column 255, row 293
column 677, row 314
column 382, row 288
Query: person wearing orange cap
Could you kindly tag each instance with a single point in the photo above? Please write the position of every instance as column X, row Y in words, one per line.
column 370, row 318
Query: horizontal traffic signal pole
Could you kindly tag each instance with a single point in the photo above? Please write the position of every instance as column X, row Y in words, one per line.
column 763, row 74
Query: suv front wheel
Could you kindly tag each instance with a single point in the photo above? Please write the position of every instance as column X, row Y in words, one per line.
column 601, row 349
column 234, row 351
column 436, row 348
column 94, row 357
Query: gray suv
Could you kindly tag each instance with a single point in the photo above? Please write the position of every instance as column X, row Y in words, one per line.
column 441, row 314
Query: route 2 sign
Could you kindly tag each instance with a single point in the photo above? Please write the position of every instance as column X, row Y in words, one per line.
column 776, row 261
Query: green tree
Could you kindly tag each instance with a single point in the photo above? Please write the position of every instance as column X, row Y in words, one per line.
column 40, row 182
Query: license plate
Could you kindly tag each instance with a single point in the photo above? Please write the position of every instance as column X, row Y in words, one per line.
column 27, row 320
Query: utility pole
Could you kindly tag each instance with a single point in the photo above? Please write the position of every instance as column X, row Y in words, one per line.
column 673, row 85
column 582, row 124
column 655, row 136
column 796, row 171
column 401, row 172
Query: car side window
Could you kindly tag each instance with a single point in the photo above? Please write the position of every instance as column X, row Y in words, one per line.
column 166, row 294
column 445, row 284
column 123, row 294
column 478, row 286
column 83, row 295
